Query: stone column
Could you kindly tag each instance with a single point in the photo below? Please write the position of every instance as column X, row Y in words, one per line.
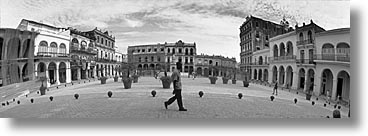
column 334, row 89
column 305, row 82
column 317, row 89
column 57, row 73
column 295, row 80
column 68, row 73
column 79, row 74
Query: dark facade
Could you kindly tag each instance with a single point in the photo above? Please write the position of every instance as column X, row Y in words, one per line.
column 214, row 65
column 105, row 44
column 83, row 55
column 158, row 57
column 254, row 35
column 17, row 56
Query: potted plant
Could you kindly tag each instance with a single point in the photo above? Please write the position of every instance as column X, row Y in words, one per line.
column 103, row 80
column 127, row 80
column 43, row 88
column 213, row 79
column 225, row 80
column 166, row 80
column 245, row 81
column 233, row 81
column 308, row 94
column 135, row 78
column 116, row 78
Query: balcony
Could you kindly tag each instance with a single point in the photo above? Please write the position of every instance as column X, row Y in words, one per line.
column 333, row 57
column 304, row 42
column 305, row 62
column 52, row 55
column 282, row 58
column 105, row 60
column 264, row 64
column 88, row 50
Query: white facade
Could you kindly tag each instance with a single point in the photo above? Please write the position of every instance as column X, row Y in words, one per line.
column 333, row 63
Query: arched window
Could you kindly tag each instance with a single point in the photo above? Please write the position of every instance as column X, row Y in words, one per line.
column 42, row 48
column 83, row 45
column 53, row 48
column 301, row 37
column 62, row 49
column 75, row 42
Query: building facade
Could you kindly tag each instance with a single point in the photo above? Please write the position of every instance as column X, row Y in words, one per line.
column 332, row 60
column 214, row 65
column 254, row 36
column 83, row 54
column 105, row 45
column 16, row 56
column 309, row 59
column 158, row 57
column 51, row 51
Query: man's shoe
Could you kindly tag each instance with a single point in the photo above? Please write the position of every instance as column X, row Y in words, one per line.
column 183, row 109
column 165, row 103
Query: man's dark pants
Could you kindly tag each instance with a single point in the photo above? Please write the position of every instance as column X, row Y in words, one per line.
column 177, row 97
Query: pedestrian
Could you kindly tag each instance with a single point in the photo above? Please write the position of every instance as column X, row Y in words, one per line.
column 177, row 88
column 275, row 89
column 194, row 75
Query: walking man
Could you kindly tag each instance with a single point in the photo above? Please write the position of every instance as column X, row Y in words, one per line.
column 275, row 89
column 177, row 88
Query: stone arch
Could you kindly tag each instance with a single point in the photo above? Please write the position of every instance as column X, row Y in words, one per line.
column 52, row 72
column 145, row 66
column 328, row 51
column 274, row 74
column 275, row 51
column 75, row 42
column 199, row 71
column 265, row 74
column 25, row 72
column 281, row 75
column 152, row 66
column 140, row 66
column 255, row 74
column 301, row 36
column 14, row 48
column 326, row 82
column 289, row 50
column 301, row 78
column 26, row 48
column 62, row 72
column 282, row 49
column 310, row 80
column 289, row 76
column 343, row 85
column 260, row 75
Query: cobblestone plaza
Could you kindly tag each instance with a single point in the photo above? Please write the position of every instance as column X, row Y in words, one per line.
column 219, row 101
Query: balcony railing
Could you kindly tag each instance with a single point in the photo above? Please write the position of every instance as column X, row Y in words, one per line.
column 333, row 57
column 282, row 58
column 305, row 61
column 105, row 60
column 259, row 64
column 86, row 50
column 303, row 42
column 52, row 54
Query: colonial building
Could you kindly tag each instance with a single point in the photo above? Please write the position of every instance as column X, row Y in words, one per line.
column 254, row 36
column 105, row 45
column 214, row 65
column 332, row 60
column 83, row 55
column 156, row 57
column 51, row 51
column 16, row 56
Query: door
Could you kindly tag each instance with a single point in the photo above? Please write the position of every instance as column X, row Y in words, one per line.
column 340, row 82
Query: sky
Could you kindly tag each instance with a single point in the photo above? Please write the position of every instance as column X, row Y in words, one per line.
column 212, row 24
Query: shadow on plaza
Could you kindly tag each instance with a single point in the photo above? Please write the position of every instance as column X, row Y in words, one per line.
column 353, row 122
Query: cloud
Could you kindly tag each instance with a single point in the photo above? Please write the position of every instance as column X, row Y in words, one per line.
column 213, row 25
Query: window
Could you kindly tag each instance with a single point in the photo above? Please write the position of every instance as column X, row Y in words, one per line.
column 146, row 59
column 149, row 50
column 158, row 59
column 256, row 24
column 180, row 50
column 102, row 41
column 138, row 50
column 162, row 49
column 139, row 59
column 155, row 50
column 106, row 42
column 143, row 50
column 152, row 59
column 98, row 39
